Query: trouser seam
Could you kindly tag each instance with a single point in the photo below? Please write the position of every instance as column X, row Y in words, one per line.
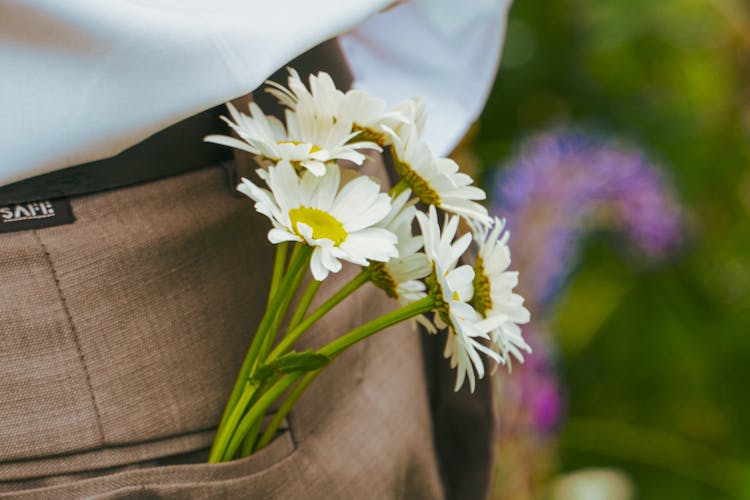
column 76, row 339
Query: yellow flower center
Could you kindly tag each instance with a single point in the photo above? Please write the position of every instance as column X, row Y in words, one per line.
column 381, row 278
column 368, row 134
column 420, row 187
column 436, row 292
column 482, row 300
column 323, row 224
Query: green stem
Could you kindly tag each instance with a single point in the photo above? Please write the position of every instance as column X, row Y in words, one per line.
column 257, row 411
column 241, row 409
column 247, row 444
column 296, row 332
column 299, row 259
column 222, row 436
column 419, row 307
column 284, row 409
column 304, row 303
column 280, row 314
column 278, row 269
column 295, row 252
column 334, row 349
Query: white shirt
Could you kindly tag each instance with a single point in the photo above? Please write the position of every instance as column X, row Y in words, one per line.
column 82, row 80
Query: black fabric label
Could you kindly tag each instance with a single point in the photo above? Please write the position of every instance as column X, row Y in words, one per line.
column 35, row 215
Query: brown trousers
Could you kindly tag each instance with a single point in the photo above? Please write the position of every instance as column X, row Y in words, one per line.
column 121, row 334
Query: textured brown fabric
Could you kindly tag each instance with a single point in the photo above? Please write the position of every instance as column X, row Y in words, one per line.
column 121, row 335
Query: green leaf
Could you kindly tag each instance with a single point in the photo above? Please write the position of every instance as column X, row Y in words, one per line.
column 305, row 361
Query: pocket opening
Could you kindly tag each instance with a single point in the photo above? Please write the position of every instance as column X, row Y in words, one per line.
column 174, row 470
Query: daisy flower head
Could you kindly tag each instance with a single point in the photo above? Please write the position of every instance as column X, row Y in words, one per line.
column 415, row 112
column 307, row 141
column 365, row 113
column 337, row 221
column 322, row 99
column 436, row 181
column 313, row 117
column 368, row 115
column 493, row 291
column 261, row 135
column 453, row 288
column 399, row 277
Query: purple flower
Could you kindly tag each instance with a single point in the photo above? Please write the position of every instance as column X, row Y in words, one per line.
column 563, row 184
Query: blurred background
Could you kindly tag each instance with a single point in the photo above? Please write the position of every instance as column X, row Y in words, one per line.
column 615, row 142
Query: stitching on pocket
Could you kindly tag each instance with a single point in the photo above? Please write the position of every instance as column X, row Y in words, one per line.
column 76, row 340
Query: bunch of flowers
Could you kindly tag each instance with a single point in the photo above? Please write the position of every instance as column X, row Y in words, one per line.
column 323, row 212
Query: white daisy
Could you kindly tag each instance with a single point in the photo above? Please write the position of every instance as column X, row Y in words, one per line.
column 453, row 288
column 337, row 223
column 436, row 181
column 493, row 290
column 323, row 98
column 365, row 113
column 330, row 140
column 307, row 141
column 314, row 116
column 415, row 112
column 369, row 116
column 261, row 135
column 399, row 277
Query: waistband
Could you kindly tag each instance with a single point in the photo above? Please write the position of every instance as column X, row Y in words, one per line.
column 172, row 151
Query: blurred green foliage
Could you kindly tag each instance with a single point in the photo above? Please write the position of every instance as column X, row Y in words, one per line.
column 649, row 351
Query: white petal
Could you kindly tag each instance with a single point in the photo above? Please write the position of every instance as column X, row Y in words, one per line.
column 369, row 215
column 315, row 167
column 285, row 185
column 373, row 244
column 232, row 142
column 329, row 261
column 327, row 188
column 319, row 271
column 279, row 236
column 356, row 194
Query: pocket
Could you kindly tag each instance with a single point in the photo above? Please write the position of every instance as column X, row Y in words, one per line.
column 261, row 474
